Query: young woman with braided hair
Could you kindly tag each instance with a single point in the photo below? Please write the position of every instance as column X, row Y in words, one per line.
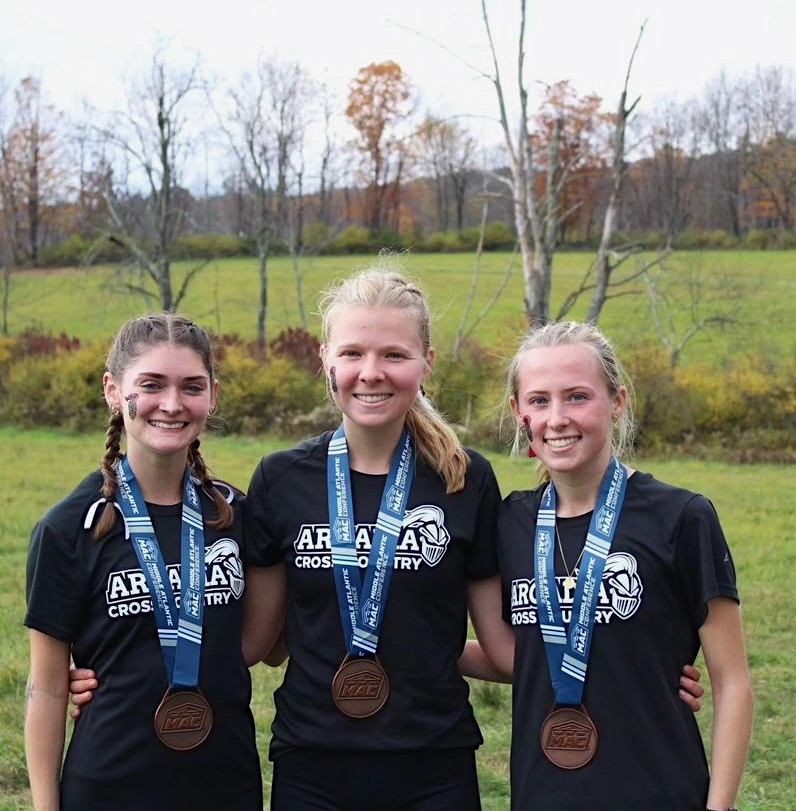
column 138, row 575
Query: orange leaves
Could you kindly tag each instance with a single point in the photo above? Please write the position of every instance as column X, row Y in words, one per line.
column 375, row 100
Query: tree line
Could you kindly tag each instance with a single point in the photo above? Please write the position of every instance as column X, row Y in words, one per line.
column 275, row 159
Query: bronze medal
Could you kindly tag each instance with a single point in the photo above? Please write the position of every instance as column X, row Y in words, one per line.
column 360, row 687
column 568, row 737
column 183, row 719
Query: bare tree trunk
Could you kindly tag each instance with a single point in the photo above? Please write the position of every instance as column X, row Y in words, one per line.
column 603, row 264
column 464, row 330
column 262, row 298
column 151, row 136
column 34, row 202
column 164, row 285
column 535, row 233
column 6, row 295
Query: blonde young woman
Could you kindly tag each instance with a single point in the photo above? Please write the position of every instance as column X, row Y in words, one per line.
column 611, row 579
column 386, row 530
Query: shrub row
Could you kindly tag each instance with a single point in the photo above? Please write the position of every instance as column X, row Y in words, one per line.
column 717, row 240
column 57, row 382
column 77, row 250
column 744, row 412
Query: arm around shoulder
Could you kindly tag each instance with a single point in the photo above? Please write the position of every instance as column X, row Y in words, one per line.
column 492, row 656
column 264, row 613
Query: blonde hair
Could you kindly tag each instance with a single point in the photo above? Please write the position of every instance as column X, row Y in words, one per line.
column 575, row 333
column 384, row 286
column 134, row 338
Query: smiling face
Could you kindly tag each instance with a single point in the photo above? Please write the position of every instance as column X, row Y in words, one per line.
column 565, row 394
column 379, row 362
column 174, row 395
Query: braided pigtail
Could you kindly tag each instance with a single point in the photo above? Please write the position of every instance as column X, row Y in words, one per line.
column 225, row 515
column 110, row 485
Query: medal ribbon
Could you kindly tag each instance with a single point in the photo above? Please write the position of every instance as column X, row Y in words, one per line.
column 179, row 632
column 568, row 654
column 362, row 605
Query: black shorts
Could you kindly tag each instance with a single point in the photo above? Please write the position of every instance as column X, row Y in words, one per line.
column 323, row 780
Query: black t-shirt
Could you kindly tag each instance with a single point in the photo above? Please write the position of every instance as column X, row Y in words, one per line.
column 668, row 558
column 93, row 595
column 445, row 541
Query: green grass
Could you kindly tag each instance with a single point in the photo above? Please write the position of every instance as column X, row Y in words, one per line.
column 757, row 510
column 84, row 303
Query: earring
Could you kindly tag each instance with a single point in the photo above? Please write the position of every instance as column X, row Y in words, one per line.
column 333, row 380
column 132, row 406
column 526, row 421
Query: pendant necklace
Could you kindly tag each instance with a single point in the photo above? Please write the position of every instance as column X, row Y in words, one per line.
column 569, row 580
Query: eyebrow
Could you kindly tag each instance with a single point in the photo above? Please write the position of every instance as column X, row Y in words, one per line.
column 159, row 376
column 380, row 348
column 576, row 387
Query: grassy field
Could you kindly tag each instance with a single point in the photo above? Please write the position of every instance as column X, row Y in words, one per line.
column 755, row 501
column 85, row 303
column 757, row 509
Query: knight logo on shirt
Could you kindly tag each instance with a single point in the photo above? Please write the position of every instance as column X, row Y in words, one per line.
column 619, row 597
column 427, row 521
column 423, row 541
column 623, row 583
column 127, row 594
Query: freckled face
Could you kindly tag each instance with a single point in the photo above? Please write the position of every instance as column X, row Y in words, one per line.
column 565, row 394
column 175, row 395
column 379, row 362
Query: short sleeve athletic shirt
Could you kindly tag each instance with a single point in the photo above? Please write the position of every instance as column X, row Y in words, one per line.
column 446, row 541
column 668, row 558
column 93, row 595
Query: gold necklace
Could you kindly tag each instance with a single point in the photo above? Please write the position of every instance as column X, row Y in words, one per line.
column 569, row 580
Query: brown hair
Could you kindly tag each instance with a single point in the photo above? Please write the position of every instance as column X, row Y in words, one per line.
column 131, row 341
column 383, row 286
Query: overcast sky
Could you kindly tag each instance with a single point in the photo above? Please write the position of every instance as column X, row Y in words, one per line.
column 85, row 48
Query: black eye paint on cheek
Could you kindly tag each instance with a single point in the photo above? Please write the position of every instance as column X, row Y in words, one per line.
column 132, row 406
column 526, row 420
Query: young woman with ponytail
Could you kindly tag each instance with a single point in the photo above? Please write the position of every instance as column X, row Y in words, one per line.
column 376, row 716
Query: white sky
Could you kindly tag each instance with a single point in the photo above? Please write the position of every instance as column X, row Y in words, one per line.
column 85, row 48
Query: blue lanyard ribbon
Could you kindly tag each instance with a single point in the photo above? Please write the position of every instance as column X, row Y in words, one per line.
column 362, row 605
column 568, row 652
column 179, row 631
